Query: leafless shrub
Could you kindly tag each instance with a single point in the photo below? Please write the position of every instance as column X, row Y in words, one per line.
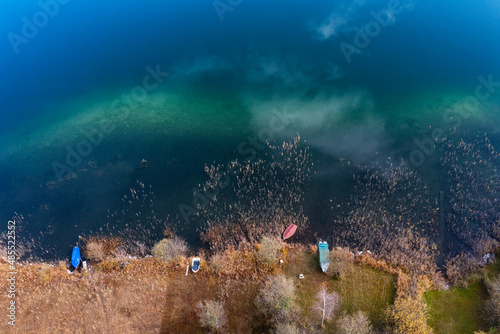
column 460, row 267
column 277, row 299
column 170, row 249
column 94, row 251
column 326, row 304
column 268, row 251
column 211, row 315
column 359, row 323
column 283, row 328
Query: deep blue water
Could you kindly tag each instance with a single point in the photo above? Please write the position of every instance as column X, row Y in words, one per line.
column 224, row 76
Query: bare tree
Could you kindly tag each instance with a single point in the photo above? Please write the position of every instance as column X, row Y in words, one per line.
column 277, row 299
column 326, row 304
column 211, row 315
column 359, row 323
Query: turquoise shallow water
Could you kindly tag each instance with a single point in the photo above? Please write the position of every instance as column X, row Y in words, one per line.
column 68, row 91
column 177, row 132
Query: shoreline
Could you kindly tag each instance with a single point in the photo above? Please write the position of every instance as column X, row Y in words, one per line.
column 220, row 276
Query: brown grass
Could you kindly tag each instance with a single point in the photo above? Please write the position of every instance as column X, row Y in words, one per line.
column 123, row 301
column 150, row 296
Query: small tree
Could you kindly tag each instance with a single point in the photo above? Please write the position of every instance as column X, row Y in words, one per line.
column 326, row 304
column 408, row 316
column 277, row 299
column 211, row 315
column 170, row 249
column 268, row 252
column 359, row 323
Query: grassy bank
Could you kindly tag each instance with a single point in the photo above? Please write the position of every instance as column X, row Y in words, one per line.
column 361, row 288
column 458, row 310
column 150, row 296
column 463, row 310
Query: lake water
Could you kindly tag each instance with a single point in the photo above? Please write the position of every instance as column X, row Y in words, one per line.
column 98, row 98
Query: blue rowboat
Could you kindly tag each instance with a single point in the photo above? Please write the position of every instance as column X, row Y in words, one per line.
column 324, row 256
column 195, row 264
column 75, row 257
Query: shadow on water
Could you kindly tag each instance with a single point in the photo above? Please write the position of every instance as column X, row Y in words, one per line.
column 62, row 210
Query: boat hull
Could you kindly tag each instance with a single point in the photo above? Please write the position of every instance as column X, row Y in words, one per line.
column 195, row 264
column 324, row 256
column 75, row 257
column 290, row 230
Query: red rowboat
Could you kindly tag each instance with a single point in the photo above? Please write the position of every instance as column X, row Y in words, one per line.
column 290, row 230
